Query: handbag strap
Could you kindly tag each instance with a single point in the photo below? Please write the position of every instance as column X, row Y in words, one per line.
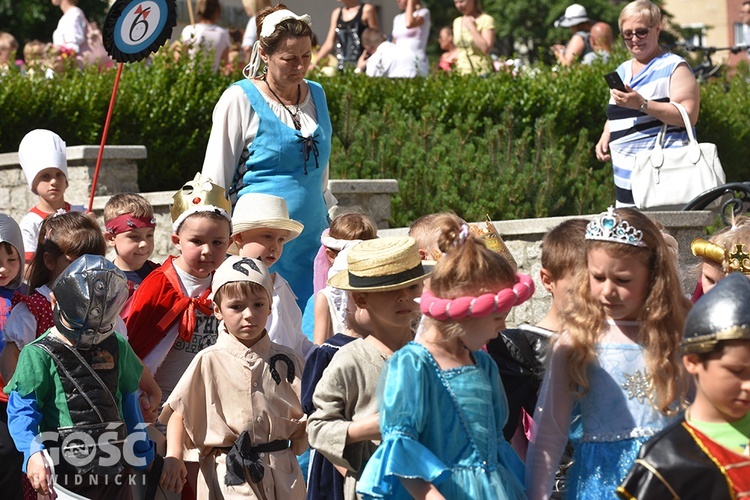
column 694, row 150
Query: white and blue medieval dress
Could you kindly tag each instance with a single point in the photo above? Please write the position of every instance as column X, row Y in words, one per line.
column 255, row 147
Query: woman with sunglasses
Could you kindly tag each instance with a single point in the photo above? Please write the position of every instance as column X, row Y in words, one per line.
column 653, row 78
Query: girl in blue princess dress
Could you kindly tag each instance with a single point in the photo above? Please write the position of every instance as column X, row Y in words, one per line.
column 618, row 358
column 443, row 408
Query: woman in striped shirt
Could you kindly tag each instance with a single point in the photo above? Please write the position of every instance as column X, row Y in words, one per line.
column 653, row 78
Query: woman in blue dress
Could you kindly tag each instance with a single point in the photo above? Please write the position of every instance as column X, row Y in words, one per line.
column 272, row 134
column 443, row 408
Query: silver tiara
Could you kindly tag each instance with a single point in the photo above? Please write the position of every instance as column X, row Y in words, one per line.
column 609, row 226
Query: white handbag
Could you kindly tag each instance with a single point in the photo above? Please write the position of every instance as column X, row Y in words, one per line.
column 668, row 178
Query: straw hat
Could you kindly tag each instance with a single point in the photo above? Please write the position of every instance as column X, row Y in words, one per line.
column 257, row 210
column 41, row 149
column 574, row 15
column 380, row 265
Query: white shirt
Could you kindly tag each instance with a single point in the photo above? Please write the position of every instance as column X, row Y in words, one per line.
column 235, row 125
column 389, row 61
column 207, row 37
column 251, row 33
column 71, row 31
column 284, row 325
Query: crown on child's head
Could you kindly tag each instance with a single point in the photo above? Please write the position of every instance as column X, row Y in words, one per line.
column 609, row 226
column 199, row 195
column 739, row 259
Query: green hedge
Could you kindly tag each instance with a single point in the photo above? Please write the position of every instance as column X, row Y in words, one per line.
column 509, row 146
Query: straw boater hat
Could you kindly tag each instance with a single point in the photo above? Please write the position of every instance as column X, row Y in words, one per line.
column 257, row 210
column 574, row 15
column 41, row 149
column 380, row 265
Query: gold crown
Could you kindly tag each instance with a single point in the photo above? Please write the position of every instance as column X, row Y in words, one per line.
column 492, row 240
column 708, row 250
column 199, row 195
column 739, row 259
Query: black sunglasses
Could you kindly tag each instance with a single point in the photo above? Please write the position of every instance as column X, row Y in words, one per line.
column 640, row 34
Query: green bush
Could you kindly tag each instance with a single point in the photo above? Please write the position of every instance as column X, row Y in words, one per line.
column 508, row 146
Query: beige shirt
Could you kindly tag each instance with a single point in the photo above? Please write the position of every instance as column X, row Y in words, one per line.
column 346, row 392
column 227, row 389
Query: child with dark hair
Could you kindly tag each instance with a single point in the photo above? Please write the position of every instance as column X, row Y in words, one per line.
column 237, row 404
column 63, row 238
column 129, row 228
column 80, row 379
column 706, row 452
column 11, row 275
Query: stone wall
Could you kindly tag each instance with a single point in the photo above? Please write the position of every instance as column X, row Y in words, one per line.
column 119, row 173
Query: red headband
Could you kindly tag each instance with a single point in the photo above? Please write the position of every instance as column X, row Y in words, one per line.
column 126, row 222
column 477, row 307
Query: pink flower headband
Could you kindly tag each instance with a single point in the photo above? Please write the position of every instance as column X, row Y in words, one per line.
column 478, row 307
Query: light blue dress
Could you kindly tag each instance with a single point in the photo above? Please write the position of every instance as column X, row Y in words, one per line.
column 445, row 427
column 281, row 161
column 617, row 419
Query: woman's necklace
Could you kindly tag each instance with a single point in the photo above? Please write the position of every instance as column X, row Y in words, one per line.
column 295, row 114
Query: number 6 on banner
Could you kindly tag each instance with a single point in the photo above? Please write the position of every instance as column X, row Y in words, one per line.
column 136, row 28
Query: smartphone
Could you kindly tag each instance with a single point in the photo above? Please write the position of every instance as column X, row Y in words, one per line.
column 614, row 81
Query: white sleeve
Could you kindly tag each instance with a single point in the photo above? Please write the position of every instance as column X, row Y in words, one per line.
column 229, row 136
column 550, row 428
column 20, row 327
column 30, row 233
column 251, row 33
column 328, row 196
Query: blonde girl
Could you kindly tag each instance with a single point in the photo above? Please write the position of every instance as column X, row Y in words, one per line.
column 443, row 408
column 617, row 360
column 722, row 253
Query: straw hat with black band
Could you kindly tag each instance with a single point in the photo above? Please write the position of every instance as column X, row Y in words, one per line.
column 381, row 265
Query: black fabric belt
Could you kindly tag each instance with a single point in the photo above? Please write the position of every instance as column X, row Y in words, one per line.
column 244, row 456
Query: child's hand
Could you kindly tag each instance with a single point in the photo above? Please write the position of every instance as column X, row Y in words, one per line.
column 173, row 474
column 37, row 473
column 149, row 406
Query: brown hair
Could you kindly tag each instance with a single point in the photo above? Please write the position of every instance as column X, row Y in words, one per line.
column 288, row 28
column 240, row 290
column 467, row 268
column 127, row 203
column 353, row 226
column 662, row 316
column 564, row 248
column 208, row 10
column 72, row 234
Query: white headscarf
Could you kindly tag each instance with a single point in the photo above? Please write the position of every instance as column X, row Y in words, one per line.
column 269, row 26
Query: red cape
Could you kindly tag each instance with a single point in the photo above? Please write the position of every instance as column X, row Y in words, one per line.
column 159, row 303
